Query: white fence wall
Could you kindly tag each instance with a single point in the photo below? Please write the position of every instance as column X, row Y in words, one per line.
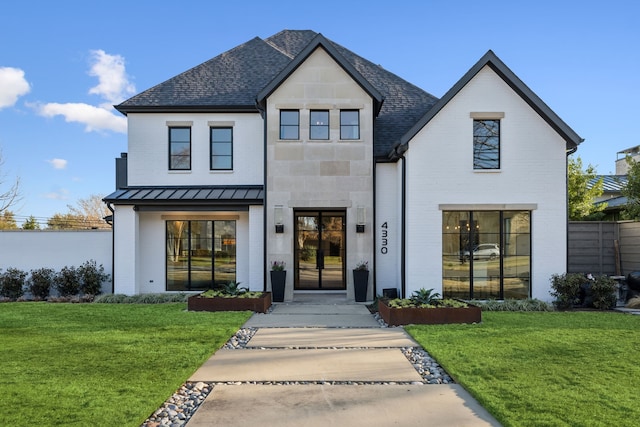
column 32, row 249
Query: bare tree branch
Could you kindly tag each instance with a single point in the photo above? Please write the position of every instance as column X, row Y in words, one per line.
column 10, row 196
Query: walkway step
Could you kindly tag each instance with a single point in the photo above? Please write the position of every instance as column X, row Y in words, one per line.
column 307, row 365
column 325, row 338
column 327, row 309
column 340, row 405
column 273, row 320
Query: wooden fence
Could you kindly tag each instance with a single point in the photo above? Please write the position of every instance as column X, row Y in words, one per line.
column 611, row 248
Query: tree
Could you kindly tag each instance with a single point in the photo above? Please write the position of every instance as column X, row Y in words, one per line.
column 7, row 221
column 583, row 189
column 11, row 195
column 88, row 214
column 31, row 224
column 632, row 191
column 67, row 222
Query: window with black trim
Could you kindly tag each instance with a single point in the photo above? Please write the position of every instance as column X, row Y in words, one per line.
column 180, row 148
column 221, row 148
column 349, row 124
column 200, row 254
column 289, row 124
column 319, row 124
column 486, row 254
column 486, row 144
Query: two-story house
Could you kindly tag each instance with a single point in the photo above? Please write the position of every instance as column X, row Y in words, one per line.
column 295, row 149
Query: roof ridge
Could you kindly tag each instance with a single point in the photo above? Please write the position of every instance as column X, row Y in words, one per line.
column 282, row 51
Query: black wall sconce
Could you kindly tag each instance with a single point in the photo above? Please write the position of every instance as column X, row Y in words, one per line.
column 360, row 219
column 278, row 218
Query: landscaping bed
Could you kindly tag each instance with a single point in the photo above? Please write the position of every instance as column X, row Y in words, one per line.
column 258, row 304
column 396, row 316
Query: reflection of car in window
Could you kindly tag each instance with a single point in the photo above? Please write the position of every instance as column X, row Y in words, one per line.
column 485, row 251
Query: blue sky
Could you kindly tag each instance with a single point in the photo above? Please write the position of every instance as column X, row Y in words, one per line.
column 64, row 63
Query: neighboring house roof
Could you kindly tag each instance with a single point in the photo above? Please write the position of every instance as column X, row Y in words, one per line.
column 610, row 183
column 235, row 79
column 612, row 186
column 238, row 195
column 490, row 59
column 614, row 203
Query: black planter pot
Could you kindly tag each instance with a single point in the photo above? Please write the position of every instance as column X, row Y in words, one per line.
column 360, row 283
column 278, row 279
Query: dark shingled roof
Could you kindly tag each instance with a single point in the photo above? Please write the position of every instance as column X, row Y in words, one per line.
column 231, row 81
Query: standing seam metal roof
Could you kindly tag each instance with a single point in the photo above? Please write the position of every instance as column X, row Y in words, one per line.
column 249, row 194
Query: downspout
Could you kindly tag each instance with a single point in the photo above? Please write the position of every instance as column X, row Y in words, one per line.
column 263, row 114
column 113, row 249
column 398, row 154
column 403, row 250
column 566, row 186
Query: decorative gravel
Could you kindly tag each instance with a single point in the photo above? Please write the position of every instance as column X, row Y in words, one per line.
column 181, row 406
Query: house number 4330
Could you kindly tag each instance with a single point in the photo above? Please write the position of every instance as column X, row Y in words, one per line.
column 384, row 238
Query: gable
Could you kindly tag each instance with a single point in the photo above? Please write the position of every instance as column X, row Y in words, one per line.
column 319, row 80
column 492, row 62
column 320, row 43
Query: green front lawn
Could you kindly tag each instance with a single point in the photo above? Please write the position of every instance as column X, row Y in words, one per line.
column 545, row 369
column 100, row 364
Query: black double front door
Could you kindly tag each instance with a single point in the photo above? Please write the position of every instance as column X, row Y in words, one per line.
column 319, row 250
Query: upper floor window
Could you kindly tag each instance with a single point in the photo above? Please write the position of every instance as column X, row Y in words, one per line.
column 486, row 144
column 180, row 148
column 349, row 124
column 319, row 124
column 221, row 148
column 289, row 124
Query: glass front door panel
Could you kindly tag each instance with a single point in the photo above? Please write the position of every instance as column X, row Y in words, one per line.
column 319, row 251
column 307, row 273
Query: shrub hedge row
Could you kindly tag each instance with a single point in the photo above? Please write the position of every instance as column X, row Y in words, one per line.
column 68, row 282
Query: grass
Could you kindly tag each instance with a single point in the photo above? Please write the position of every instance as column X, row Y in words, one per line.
column 100, row 364
column 545, row 369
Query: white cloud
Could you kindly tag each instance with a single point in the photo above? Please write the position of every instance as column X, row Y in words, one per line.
column 94, row 118
column 113, row 87
column 60, row 194
column 12, row 86
column 58, row 163
column 114, row 84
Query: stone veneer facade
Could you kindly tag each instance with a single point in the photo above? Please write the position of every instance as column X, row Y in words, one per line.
column 319, row 174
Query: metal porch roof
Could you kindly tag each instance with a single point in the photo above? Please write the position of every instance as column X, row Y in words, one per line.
column 188, row 195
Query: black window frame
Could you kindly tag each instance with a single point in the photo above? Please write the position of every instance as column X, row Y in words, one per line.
column 469, row 239
column 171, row 146
column 212, row 154
column 189, row 239
column 344, row 127
column 284, row 125
column 486, row 144
column 324, row 127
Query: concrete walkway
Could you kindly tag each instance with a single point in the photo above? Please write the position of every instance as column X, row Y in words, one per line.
column 321, row 365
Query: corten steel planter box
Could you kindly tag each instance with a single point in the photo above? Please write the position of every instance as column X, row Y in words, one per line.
column 258, row 305
column 428, row 316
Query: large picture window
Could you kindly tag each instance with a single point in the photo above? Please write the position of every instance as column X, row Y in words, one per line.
column 200, row 254
column 179, row 148
column 486, row 254
column 486, row 144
